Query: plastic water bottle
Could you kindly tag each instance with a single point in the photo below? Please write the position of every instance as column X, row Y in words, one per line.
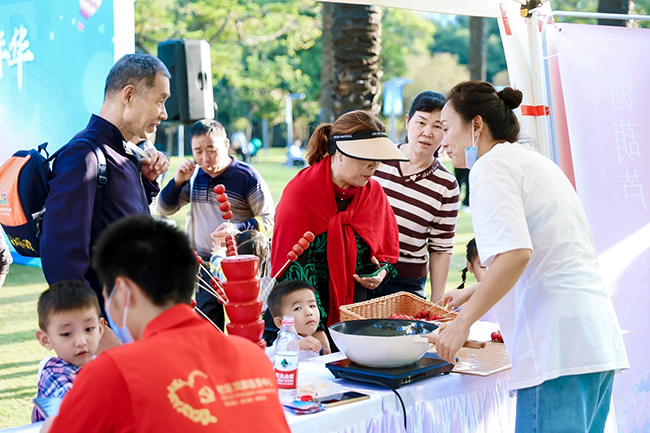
column 287, row 350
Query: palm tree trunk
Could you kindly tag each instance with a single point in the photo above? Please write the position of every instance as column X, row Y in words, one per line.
column 613, row 7
column 477, row 48
column 356, row 36
column 327, row 69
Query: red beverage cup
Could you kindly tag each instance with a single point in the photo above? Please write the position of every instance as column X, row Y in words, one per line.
column 238, row 268
column 242, row 291
column 251, row 331
column 244, row 312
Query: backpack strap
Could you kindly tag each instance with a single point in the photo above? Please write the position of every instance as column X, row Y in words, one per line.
column 101, row 182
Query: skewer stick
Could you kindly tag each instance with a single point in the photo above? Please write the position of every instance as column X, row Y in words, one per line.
column 207, row 318
column 282, row 269
column 205, row 286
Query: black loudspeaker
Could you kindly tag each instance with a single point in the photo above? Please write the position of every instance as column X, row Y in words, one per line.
column 188, row 61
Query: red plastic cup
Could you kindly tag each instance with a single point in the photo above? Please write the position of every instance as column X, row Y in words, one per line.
column 244, row 312
column 239, row 268
column 251, row 331
column 242, row 291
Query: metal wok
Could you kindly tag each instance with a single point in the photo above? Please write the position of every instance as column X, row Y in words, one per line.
column 383, row 342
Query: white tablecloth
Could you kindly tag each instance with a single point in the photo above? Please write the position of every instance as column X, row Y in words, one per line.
column 449, row 403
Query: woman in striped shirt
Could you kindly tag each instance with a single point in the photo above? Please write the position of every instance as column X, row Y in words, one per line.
column 424, row 196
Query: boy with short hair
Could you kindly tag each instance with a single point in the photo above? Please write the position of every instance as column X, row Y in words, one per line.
column 69, row 322
column 298, row 299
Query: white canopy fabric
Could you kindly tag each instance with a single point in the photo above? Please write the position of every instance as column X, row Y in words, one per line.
column 478, row 8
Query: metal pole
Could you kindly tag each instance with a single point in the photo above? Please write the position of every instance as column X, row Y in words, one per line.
column 265, row 135
column 547, row 78
column 180, row 134
column 288, row 117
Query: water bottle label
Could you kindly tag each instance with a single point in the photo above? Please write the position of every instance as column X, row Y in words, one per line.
column 286, row 370
column 286, row 379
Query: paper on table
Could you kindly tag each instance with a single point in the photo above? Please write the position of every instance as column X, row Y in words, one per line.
column 483, row 362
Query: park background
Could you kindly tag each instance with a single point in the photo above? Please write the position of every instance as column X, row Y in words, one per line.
column 261, row 52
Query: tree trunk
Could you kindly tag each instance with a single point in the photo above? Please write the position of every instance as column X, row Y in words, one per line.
column 613, row 7
column 477, row 48
column 356, row 36
column 327, row 65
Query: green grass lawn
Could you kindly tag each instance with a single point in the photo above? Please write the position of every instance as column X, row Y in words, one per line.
column 19, row 350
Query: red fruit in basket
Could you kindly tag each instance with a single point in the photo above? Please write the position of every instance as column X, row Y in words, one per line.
column 436, row 317
column 304, row 243
column 292, row 256
column 309, row 237
column 219, row 189
column 425, row 314
column 224, row 206
column 227, row 215
column 297, row 249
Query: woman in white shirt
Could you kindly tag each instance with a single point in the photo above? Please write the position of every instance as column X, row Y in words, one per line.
column 557, row 320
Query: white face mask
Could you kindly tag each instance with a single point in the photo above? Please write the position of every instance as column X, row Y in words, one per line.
column 121, row 332
column 471, row 153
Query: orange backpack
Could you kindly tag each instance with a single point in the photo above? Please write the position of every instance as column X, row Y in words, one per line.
column 23, row 189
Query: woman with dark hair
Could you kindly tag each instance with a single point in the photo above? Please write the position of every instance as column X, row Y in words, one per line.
column 347, row 211
column 424, row 196
column 558, row 322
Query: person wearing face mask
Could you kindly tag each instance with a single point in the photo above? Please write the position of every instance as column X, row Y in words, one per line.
column 558, row 323
column 336, row 199
column 193, row 184
column 424, row 196
column 134, row 106
column 179, row 374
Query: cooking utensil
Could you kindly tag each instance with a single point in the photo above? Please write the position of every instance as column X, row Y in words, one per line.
column 386, row 342
column 382, row 342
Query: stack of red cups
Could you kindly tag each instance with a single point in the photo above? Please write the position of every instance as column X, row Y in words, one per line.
column 244, row 305
column 242, row 285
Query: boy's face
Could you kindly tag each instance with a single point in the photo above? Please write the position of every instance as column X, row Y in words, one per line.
column 74, row 335
column 301, row 304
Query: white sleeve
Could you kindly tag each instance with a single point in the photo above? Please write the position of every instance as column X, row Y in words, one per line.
column 498, row 213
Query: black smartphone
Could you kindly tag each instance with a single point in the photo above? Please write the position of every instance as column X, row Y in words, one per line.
column 371, row 270
column 343, row 398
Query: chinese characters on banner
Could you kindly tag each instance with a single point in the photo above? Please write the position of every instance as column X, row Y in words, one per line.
column 15, row 53
column 607, row 104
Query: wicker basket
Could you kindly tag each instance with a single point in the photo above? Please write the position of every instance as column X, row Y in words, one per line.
column 397, row 303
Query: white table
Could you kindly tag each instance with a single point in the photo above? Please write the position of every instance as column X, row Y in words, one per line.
column 449, row 403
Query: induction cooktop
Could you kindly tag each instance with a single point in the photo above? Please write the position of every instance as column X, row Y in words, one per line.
column 428, row 366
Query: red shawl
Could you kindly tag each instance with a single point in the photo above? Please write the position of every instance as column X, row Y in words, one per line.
column 308, row 203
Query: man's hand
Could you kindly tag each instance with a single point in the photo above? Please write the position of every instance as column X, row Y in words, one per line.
column 155, row 165
column 310, row 343
column 220, row 233
column 184, row 172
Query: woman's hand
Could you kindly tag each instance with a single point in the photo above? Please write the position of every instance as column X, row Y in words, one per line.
column 451, row 340
column 310, row 343
column 458, row 297
column 371, row 283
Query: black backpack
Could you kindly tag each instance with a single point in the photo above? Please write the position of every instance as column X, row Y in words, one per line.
column 23, row 189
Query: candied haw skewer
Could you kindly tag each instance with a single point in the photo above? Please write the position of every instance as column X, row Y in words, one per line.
column 296, row 250
column 231, row 246
column 219, row 189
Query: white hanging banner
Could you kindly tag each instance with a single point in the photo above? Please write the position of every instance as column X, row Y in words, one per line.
column 607, row 101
